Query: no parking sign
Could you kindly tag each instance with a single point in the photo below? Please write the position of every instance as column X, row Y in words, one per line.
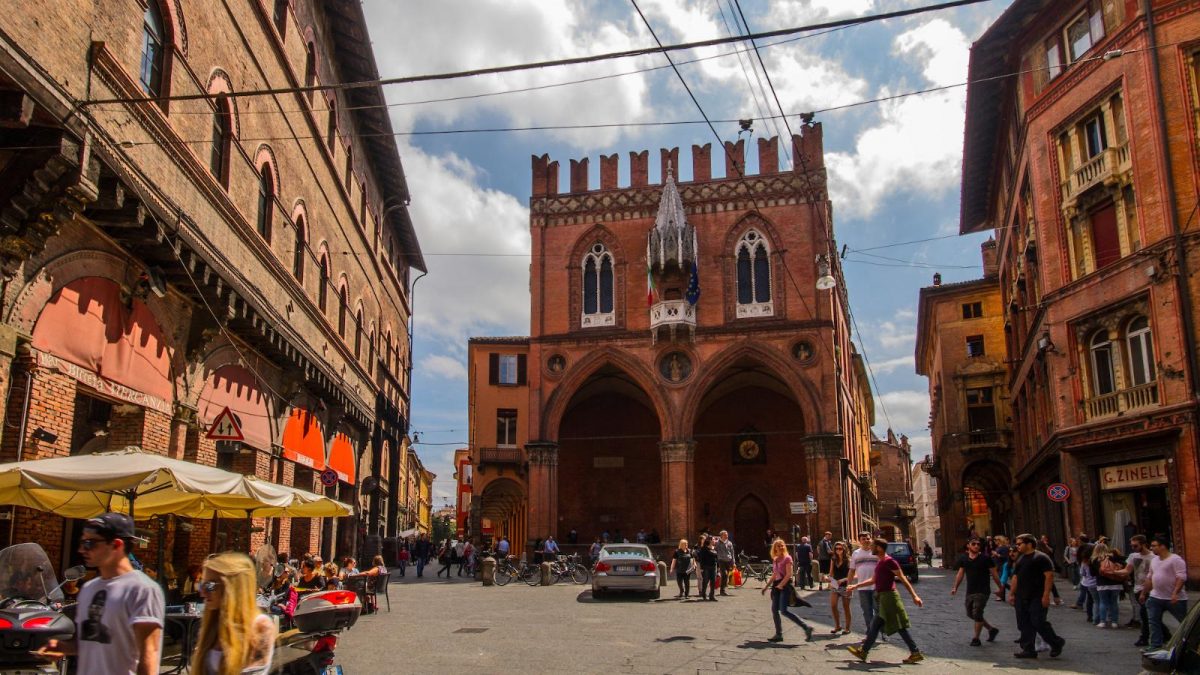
column 1058, row 492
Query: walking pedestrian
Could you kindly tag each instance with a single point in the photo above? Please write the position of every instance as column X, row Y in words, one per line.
column 594, row 551
column 1088, row 595
column 725, row 559
column 804, row 553
column 706, row 557
column 890, row 615
column 422, row 549
column 403, row 557
column 782, row 589
column 119, row 620
column 1031, row 583
column 862, row 566
column 1138, row 565
column 839, row 592
column 928, row 551
column 235, row 638
column 824, row 554
column 681, row 567
column 1071, row 558
column 1110, row 581
column 978, row 569
column 445, row 559
column 1168, row 573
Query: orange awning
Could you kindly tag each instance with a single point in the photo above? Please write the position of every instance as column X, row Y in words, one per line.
column 341, row 458
column 303, row 440
column 236, row 388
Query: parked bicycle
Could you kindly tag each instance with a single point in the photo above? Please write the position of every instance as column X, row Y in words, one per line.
column 751, row 568
column 569, row 567
column 507, row 569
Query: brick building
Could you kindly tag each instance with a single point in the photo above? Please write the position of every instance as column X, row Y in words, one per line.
column 684, row 370
column 165, row 257
column 927, row 524
column 891, row 459
column 1084, row 164
column 962, row 349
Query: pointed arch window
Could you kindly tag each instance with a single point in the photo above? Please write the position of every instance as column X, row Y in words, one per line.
column 153, row 53
column 280, row 16
column 358, row 334
column 753, row 276
column 298, row 253
column 1141, row 352
column 310, row 69
column 332, row 129
column 1104, row 379
column 222, row 139
column 266, row 201
column 323, row 291
column 343, row 301
column 598, row 291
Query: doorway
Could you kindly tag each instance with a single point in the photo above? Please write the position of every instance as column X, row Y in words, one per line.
column 750, row 524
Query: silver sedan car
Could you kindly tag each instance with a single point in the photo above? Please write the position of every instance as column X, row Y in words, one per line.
column 625, row 567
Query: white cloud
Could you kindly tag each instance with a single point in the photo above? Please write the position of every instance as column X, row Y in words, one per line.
column 907, row 408
column 453, row 213
column 892, row 365
column 799, row 12
column 445, row 366
column 917, row 145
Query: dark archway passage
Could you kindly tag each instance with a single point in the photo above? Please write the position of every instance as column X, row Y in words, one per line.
column 609, row 466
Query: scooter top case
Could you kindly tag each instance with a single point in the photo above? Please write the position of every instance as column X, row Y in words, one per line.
column 27, row 629
column 327, row 611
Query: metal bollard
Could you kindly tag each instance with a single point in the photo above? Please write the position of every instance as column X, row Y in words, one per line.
column 662, row 573
column 488, row 569
column 546, row 574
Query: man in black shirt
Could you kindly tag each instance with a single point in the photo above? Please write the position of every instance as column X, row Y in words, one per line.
column 804, row 552
column 977, row 567
column 1031, row 583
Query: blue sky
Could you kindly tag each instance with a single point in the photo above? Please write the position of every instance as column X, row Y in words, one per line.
column 894, row 167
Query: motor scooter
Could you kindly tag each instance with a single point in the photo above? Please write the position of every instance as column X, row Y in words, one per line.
column 31, row 603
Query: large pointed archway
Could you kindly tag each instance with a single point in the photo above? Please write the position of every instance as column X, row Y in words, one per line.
column 749, row 459
column 609, row 466
column 987, row 498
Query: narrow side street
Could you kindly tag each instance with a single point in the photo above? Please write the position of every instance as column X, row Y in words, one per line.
column 439, row 627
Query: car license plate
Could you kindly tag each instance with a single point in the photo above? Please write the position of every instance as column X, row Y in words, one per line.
column 333, row 670
column 625, row 569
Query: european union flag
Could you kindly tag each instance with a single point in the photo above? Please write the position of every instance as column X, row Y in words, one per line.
column 693, row 289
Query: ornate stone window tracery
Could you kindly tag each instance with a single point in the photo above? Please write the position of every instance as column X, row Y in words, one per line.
column 753, row 277
column 598, row 293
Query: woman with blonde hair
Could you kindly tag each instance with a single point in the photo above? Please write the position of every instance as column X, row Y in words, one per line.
column 782, row 591
column 681, row 566
column 235, row 637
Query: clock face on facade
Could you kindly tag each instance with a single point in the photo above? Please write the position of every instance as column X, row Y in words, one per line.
column 749, row 448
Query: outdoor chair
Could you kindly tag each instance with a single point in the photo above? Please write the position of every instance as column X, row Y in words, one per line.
column 381, row 587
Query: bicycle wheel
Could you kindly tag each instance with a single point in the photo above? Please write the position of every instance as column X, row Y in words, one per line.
column 556, row 573
column 532, row 575
column 580, row 575
column 503, row 575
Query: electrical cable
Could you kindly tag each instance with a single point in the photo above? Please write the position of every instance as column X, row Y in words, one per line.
column 593, row 58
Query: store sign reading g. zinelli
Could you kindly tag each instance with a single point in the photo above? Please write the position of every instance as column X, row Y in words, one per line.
column 1132, row 475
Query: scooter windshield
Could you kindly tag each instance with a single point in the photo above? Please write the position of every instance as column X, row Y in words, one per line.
column 25, row 572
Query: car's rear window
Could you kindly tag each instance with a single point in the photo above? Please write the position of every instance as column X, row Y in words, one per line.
column 901, row 549
column 625, row 550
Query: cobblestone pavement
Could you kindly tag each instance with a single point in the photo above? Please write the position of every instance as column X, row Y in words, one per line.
column 458, row 626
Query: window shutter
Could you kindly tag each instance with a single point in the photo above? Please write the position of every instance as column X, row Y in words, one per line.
column 1037, row 63
column 1114, row 15
column 493, row 369
column 520, row 369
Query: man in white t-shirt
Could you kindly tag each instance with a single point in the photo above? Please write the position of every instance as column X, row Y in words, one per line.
column 119, row 617
column 1164, row 589
column 862, row 567
column 1138, row 566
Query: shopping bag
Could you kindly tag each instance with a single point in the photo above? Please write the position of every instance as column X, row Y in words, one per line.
column 736, row 577
column 1040, row 645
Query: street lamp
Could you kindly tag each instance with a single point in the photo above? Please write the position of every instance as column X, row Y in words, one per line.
column 825, row 280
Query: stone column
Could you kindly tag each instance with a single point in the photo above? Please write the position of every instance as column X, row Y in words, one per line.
column 183, row 419
column 677, row 488
column 543, row 489
column 823, row 463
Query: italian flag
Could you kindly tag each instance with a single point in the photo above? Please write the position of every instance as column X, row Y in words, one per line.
column 651, row 291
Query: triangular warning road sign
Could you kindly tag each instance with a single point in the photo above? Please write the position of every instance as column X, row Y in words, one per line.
column 225, row 427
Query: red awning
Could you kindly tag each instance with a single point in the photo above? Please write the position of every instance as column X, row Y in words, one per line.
column 87, row 323
column 341, row 458
column 236, row 388
column 303, row 440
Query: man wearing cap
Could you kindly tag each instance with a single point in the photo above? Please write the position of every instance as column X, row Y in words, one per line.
column 119, row 618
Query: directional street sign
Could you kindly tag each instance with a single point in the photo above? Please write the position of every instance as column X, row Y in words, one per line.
column 225, row 427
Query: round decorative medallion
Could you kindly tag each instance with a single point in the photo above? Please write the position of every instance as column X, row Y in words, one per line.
column 556, row 364
column 675, row 367
column 803, row 351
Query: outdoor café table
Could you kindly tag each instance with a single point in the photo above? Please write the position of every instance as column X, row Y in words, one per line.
column 189, row 622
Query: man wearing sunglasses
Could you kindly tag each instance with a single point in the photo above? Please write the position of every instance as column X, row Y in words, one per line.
column 979, row 570
column 119, row 618
column 1031, row 583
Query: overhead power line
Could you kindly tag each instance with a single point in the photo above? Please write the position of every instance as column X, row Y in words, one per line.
column 553, row 63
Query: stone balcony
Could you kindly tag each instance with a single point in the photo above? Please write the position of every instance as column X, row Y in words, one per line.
column 673, row 315
column 501, row 457
column 1121, row 401
column 1112, row 166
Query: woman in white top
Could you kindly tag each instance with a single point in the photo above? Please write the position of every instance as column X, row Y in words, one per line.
column 236, row 638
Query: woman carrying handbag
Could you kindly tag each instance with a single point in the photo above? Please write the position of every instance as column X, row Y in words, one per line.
column 782, row 590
